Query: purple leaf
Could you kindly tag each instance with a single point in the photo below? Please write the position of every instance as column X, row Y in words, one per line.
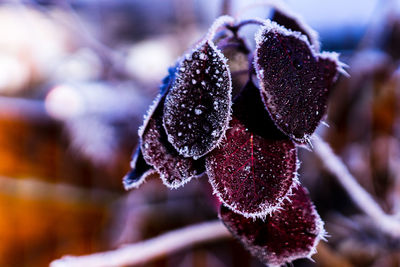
column 288, row 234
column 174, row 169
column 197, row 106
column 250, row 174
column 295, row 81
column 140, row 171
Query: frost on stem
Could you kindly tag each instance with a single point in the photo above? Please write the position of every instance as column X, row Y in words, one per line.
column 140, row 171
column 289, row 234
column 174, row 169
column 295, row 80
column 254, row 168
column 198, row 105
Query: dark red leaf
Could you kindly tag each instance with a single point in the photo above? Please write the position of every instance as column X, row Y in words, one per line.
column 197, row 106
column 250, row 174
column 255, row 166
column 295, row 81
column 288, row 234
column 249, row 109
column 140, row 171
column 174, row 169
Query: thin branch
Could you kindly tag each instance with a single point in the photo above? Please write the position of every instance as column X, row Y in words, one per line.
column 226, row 7
column 24, row 109
column 150, row 249
column 387, row 223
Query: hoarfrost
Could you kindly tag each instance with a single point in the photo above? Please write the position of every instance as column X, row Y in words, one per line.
column 206, row 80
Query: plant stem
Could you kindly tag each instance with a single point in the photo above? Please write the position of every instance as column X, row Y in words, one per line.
column 226, row 7
column 149, row 249
column 249, row 21
column 387, row 223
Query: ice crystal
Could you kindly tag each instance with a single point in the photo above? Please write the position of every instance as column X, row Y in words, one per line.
column 295, row 80
column 191, row 99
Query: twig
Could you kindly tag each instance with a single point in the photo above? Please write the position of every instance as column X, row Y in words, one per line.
column 24, row 109
column 149, row 249
column 34, row 189
column 226, row 7
column 387, row 223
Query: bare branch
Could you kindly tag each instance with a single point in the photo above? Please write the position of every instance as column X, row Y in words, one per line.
column 149, row 249
column 226, row 7
column 387, row 223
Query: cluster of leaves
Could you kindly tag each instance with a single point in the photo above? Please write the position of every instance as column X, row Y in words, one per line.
column 246, row 143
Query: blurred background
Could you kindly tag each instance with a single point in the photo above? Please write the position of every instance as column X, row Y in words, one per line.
column 76, row 78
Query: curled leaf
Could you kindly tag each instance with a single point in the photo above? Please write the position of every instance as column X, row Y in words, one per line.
column 290, row 233
column 140, row 171
column 197, row 106
column 294, row 22
column 174, row 169
column 295, row 81
column 219, row 24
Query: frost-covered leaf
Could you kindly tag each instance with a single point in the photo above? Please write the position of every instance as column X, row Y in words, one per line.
column 164, row 89
column 250, row 174
column 294, row 22
column 174, row 169
column 295, row 81
column 219, row 24
column 140, row 171
column 254, row 168
column 288, row 234
column 250, row 110
column 197, row 106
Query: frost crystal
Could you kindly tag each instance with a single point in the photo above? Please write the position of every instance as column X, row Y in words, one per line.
column 289, row 234
column 191, row 98
column 174, row 169
column 140, row 171
column 295, row 81
column 294, row 22
column 251, row 159
column 250, row 174
column 254, row 169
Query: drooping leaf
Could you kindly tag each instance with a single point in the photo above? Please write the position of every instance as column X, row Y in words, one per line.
column 197, row 106
column 250, row 174
column 140, row 171
column 255, row 166
column 295, row 81
column 250, row 110
column 165, row 86
column 174, row 169
column 290, row 233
